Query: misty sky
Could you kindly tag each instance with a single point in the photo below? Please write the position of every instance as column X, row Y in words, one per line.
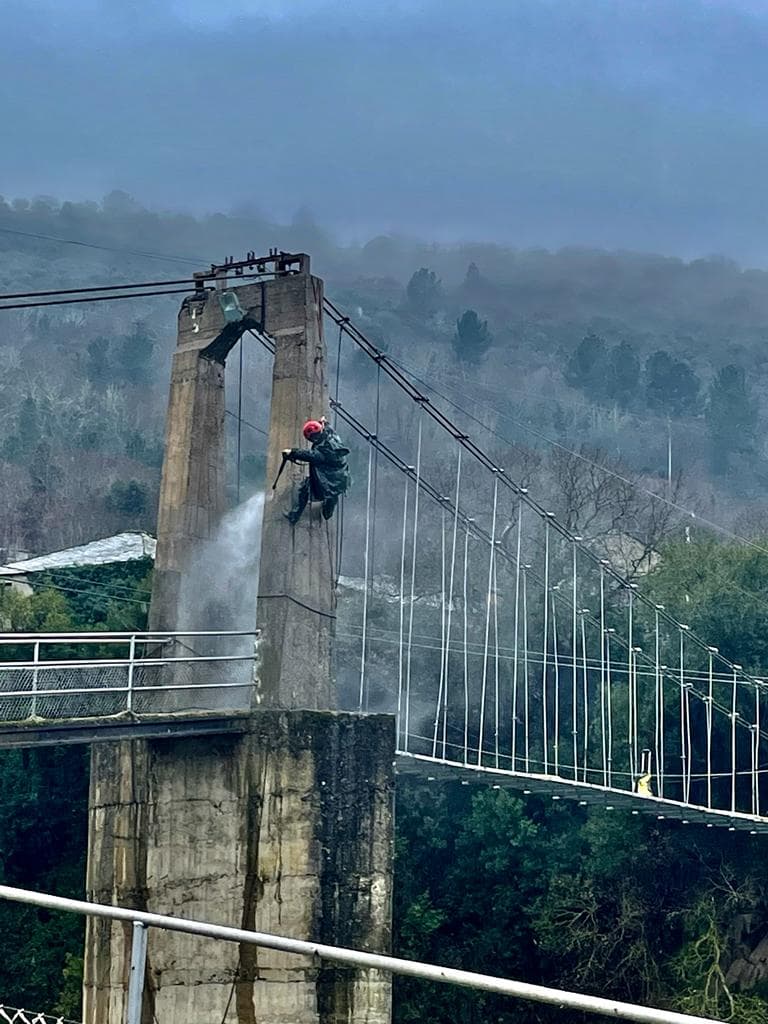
column 625, row 123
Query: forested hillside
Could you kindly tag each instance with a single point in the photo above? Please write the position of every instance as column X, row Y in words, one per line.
column 619, row 352
column 580, row 369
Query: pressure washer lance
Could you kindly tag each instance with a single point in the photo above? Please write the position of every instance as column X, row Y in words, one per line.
column 280, row 471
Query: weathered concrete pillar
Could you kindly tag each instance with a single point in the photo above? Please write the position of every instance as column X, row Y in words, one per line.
column 285, row 829
column 193, row 484
column 297, row 597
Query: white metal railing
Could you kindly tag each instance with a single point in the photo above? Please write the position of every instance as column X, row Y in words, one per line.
column 14, row 1015
column 55, row 676
column 141, row 921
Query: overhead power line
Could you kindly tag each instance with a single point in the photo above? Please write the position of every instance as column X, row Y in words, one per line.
column 193, row 281
column 97, row 298
column 246, row 423
column 103, row 248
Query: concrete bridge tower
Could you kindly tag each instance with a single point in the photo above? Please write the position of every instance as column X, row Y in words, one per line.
column 284, row 823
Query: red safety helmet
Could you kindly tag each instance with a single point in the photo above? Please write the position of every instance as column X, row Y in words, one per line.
column 310, row 428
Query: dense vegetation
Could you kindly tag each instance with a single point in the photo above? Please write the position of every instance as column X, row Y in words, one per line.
column 607, row 353
column 550, row 892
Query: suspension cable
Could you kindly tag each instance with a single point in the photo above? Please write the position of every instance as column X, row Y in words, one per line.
column 417, row 491
column 574, row 669
column 545, row 647
column 366, row 581
column 466, row 646
column 402, row 612
column 450, row 588
column 401, row 379
column 515, row 665
column 488, row 620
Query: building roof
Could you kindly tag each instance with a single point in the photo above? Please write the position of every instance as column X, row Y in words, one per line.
column 123, row 547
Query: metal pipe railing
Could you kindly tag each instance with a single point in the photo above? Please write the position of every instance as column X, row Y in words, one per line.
column 39, row 679
column 141, row 920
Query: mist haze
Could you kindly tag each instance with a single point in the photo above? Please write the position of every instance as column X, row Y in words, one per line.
column 639, row 126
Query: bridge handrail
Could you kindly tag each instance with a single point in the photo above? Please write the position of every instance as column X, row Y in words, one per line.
column 128, row 688
column 116, row 637
column 141, row 921
column 79, row 663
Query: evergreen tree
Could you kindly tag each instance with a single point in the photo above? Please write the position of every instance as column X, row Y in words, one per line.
column 134, row 354
column 424, row 292
column 97, row 360
column 731, row 416
column 472, row 339
column 472, row 278
column 28, row 429
column 623, row 381
column 671, row 386
column 586, row 369
column 127, row 499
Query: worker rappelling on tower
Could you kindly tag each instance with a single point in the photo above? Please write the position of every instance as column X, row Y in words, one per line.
column 328, row 471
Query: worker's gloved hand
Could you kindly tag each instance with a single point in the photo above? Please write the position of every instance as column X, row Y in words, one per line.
column 287, row 453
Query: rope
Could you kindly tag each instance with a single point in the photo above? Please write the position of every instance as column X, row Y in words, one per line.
column 443, row 644
column 526, row 695
column 733, row 744
column 336, row 393
column 659, row 706
column 496, row 664
column 556, row 667
column 413, row 582
column 466, row 655
column 609, row 707
column 544, row 647
column 450, row 589
column 515, row 664
column 334, row 405
column 709, row 735
column 372, row 573
column 239, row 414
column 631, row 696
column 296, row 601
column 574, row 671
column 488, row 618
column 603, row 687
column 366, row 579
column 757, row 745
column 402, row 610
column 585, row 684
column 685, row 725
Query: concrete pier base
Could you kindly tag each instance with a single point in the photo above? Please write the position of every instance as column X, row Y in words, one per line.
column 287, row 828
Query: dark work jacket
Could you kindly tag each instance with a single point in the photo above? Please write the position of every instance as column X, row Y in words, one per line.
column 327, row 458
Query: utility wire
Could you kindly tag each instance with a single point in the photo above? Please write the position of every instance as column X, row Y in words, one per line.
column 102, row 248
column 246, row 423
column 211, row 275
column 98, row 298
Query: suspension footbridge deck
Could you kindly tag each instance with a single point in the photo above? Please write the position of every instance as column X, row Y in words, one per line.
column 585, row 793
column 200, row 723
column 176, row 685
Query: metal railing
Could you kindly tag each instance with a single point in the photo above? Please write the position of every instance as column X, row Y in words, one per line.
column 14, row 1015
column 141, row 921
column 57, row 676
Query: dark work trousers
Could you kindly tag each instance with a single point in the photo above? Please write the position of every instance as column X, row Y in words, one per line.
column 304, row 495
